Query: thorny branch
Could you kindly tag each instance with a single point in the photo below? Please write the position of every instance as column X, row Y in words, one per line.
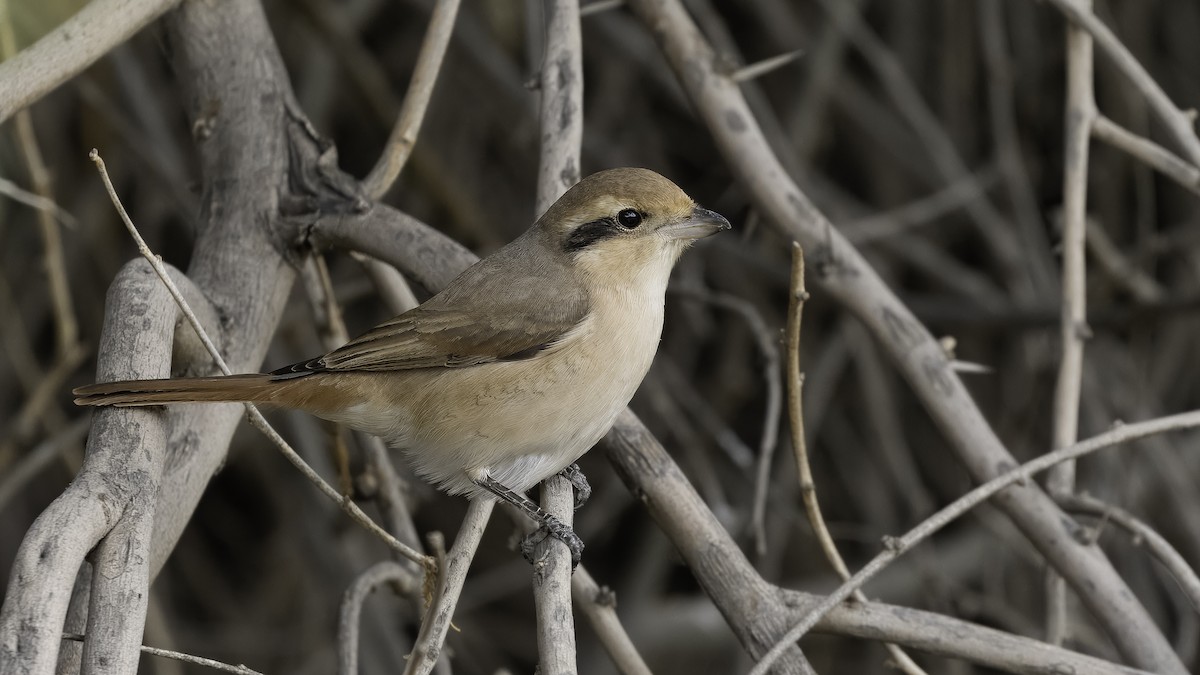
column 931, row 194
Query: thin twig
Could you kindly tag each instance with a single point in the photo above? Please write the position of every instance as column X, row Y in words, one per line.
column 331, row 329
column 65, row 323
column 992, row 25
column 1073, row 330
column 71, row 47
column 895, row 547
column 922, row 211
column 416, row 100
column 256, row 419
column 352, row 603
column 848, row 278
column 318, row 285
column 393, row 288
column 934, row 139
column 1143, row 535
column 18, row 194
column 1152, row 154
column 180, row 656
column 32, row 462
column 450, row 581
column 1178, row 122
column 1120, row 269
column 598, row 604
column 390, row 493
column 40, row 403
column 766, row 341
column 797, row 296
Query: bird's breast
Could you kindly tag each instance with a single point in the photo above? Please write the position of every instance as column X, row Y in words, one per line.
column 522, row 421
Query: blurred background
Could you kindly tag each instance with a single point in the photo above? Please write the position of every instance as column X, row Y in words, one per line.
column 930, row 131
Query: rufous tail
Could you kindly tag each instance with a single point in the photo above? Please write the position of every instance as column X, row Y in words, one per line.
column 232, row 388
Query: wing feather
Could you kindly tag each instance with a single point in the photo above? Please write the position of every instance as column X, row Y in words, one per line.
column 510, row 306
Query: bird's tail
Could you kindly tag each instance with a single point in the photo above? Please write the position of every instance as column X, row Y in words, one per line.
column 251, row 388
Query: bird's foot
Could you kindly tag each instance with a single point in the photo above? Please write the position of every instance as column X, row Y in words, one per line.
column 583, row 489
column 553, row 527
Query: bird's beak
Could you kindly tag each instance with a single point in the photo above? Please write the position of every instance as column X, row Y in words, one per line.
column 702, row 223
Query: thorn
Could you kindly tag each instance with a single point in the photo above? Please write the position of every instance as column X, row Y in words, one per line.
column 599, row 6
column 969, row 367
column 765, row 66
column 1083, row 331
column 948, row 343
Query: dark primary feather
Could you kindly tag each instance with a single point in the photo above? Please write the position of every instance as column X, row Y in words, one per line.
column 509, row 306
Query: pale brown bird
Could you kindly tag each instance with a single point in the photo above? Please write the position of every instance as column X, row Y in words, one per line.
column 513, row 371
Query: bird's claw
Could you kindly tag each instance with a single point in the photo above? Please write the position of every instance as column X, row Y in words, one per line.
column 583, row 489
column 557, row 529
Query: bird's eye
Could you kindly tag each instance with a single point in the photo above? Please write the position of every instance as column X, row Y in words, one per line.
column 629, row 218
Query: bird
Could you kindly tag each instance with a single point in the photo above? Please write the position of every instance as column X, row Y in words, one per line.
column 516, row 368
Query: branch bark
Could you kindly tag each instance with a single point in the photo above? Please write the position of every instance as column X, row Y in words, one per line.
column 845, row 275
column 71, row 47
column 561, row 86
column 1080, row 113
column 146, row 469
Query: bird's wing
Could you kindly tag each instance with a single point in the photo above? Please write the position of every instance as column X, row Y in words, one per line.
column 489, row 313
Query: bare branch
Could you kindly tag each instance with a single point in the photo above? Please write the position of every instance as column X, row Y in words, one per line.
column 71, row 47
column 598, row 605
column 451, row 577
column 352, row 602
column 1178, row 122
column 180, row 656
column 416, row 101
column 1149, row 152
column 797, row 296
column 848, row 278
column 1143, row 535
column 1073, row 330
column 561, row 122
column 894, row 547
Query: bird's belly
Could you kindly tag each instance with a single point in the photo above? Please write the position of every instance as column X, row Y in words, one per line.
column 523, row 421
column 519, row 422
column 516, row 421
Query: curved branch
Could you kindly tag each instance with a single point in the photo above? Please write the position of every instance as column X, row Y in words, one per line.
column 70, row 48
column 894, row 547
column 845, row 274
column 416, row 101
column 934, row 633
column 452, row 574
column 422, row 253
column 115, row 488
column 352, row 602
column 1178, row 122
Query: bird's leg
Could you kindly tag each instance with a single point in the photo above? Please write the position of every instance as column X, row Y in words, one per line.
column 549, row 524
column 583, row 489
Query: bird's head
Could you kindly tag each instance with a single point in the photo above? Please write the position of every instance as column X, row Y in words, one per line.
column 627, row 223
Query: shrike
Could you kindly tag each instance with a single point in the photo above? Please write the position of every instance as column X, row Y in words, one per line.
column 517, row 368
